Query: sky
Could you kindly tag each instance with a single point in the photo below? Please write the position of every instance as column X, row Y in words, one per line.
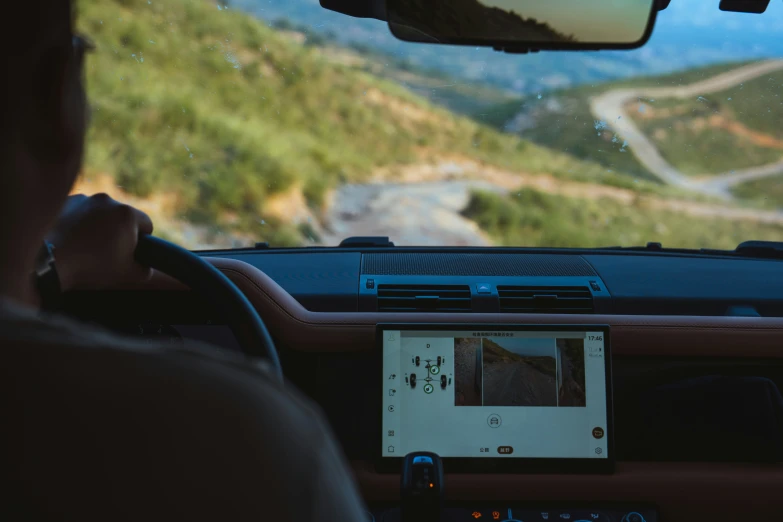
column 600, row 21
column 527, row 347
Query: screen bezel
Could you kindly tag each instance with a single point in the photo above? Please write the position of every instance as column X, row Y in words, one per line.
column 500, row 465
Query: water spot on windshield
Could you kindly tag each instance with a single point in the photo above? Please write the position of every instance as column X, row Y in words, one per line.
column 642, row 108
column 702, row 99
column 233, row 60
column 190, row 154
column 599, row 125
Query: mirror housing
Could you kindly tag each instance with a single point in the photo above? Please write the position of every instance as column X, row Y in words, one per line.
column 525, row 25
column 358, row 8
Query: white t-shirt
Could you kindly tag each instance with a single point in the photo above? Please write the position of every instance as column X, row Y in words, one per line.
column 103, row 428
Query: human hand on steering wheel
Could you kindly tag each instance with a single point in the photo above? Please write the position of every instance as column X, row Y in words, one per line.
column 101, row 243
column 95, row 239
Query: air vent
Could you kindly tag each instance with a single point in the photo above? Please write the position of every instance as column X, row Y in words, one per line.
column 424, row 298
column 545, row 300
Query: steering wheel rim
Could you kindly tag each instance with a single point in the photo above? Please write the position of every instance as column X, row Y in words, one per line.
column 203, row 278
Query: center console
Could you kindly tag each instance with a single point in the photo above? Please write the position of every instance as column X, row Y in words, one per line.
column 515, row 399
column 494, row 399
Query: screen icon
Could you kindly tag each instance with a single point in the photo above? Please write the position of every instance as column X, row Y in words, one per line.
column 598, row 432
column 390, row 433
column 391, row 449
column 476, row 515
column 598, row 451
column 505, row 450
column 494, row 420
column 392, row 336
column 544, row 515
column 496, row 515
column 392, row 376
column 391, row 408
column 428, row 388
column 392, row 392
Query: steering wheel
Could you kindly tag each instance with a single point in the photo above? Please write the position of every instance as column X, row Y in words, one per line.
column 203, row 278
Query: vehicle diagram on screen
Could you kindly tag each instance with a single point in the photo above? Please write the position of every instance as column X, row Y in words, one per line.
column 428, row 373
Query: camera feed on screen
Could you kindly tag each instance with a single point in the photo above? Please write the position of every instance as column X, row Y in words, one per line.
column 553, row 21
column 519, row 372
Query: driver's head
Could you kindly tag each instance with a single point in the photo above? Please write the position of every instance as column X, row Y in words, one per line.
column 42, row 121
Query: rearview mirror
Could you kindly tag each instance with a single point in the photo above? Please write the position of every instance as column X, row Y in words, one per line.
column 522, row 25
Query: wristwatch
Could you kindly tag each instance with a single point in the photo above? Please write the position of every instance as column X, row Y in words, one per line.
column 46, row 279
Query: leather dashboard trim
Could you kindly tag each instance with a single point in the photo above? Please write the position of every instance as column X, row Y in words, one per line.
column 304, row 330
column 681, row 491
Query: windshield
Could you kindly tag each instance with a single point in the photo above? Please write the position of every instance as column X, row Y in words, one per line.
column 234, row 123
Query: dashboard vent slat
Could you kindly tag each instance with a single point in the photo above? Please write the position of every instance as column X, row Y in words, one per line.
column 424, row 298
column 545, row 300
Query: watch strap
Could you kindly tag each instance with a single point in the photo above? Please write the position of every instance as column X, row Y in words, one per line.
column 47, row 280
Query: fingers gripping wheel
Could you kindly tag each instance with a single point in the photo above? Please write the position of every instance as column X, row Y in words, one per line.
column 203, row 278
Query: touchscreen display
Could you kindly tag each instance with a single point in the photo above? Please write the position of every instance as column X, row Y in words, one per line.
column 495, row 394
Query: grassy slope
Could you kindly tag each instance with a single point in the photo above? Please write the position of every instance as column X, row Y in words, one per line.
column 219, row 110
column 572, row 129
column 534, row 218
column 768, row 192
column 756, row 104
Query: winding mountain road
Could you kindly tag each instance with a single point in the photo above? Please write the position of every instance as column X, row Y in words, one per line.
column 609, row 108
column 424, row 207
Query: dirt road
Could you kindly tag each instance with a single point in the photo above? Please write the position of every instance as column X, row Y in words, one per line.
column 422, row 214
column 422, row 206
column 518, row 384
column 609, row 108
column 465, row 372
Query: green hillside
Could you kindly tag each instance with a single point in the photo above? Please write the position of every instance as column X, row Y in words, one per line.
column 562, row 119
column 767, row 191
column 534, row 218
column 732, row 129
column 221, row 113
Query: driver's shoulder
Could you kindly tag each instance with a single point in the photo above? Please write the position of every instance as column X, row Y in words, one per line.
column 48, row 344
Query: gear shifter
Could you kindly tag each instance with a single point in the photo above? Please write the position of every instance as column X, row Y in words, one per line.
column 421, row 487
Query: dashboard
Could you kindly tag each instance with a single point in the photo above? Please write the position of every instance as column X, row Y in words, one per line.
column 694, row 363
